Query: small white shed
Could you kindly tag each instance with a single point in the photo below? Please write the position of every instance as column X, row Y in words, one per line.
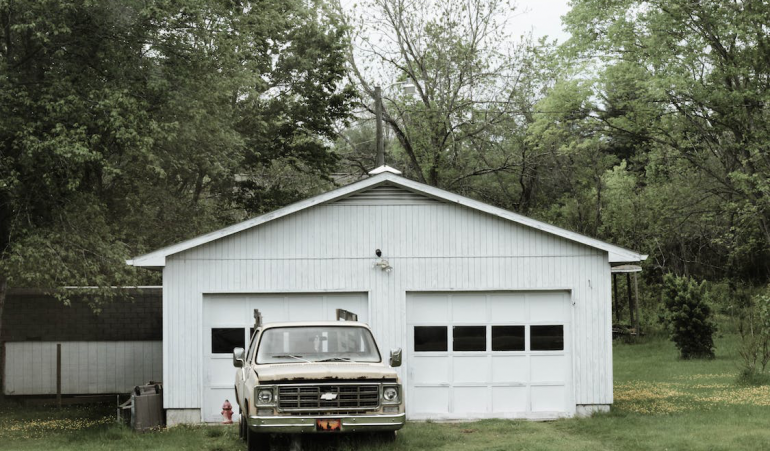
column 499, row 315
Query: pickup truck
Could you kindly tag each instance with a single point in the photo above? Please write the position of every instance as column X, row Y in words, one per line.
column 320, row 377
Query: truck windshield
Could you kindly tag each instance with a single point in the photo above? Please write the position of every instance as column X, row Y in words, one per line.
column 317, row 344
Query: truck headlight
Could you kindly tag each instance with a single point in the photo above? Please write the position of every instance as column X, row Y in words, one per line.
column 265, row 396
column 390, row 394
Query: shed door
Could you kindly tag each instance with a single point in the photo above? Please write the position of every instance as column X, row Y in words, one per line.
column 227, row 323
column 477, row 355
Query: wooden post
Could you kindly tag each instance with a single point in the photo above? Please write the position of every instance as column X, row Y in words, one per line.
column 617, row 299
column 58, row 374
column 630, row 300
column 380, row 140
column 2, row 365
column 636, row 308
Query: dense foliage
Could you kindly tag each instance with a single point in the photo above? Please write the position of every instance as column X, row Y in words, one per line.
column 682, row 95
column 754, row 331
column 648, row 128
column 129, row 125
column 688, row 317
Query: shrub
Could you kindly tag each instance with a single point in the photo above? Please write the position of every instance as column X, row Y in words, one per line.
column 754, row 329
column 688, row 317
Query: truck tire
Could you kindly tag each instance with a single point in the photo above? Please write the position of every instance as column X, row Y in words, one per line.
column 242, row 427
column 256, row 441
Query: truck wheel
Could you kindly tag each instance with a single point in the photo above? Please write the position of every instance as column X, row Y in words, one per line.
column 242, row 428
column 256, row 441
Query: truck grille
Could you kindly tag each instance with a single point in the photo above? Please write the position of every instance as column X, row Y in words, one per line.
column 311, row 397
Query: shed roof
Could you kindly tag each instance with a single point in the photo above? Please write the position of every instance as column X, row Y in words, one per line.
column 157, row 259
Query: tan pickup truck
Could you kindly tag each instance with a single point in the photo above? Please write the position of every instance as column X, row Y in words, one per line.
column 316, row 377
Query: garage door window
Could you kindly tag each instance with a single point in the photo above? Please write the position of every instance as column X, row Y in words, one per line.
column 224, row 340
column 430, row 338
column 507, row 338
column 546, row 338
column 469, row 338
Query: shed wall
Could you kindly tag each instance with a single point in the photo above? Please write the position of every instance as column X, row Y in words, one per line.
column 431, row 247
column 88, row 367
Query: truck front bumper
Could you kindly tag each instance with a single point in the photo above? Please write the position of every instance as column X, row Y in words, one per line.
column 348, row 423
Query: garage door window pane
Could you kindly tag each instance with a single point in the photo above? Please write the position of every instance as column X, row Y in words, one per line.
column 430, row 338
column 546, row 338
column 469, row 338
column 224, row 340
column 507, row 338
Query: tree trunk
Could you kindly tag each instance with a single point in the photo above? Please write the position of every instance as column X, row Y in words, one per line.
column 636, row 308
column 630, row 300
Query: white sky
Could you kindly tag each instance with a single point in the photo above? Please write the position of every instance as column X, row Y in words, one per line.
column 542, row 17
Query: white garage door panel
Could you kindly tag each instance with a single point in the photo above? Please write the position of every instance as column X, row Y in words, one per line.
column 237, row 311
column 548, row 398
column 546, row 309
column 548, row 368
column 510, row 369
column 469, row 309
column 507, row 306
column 430, row 370
column 306, row 309
column 472, row 400
column 470, row 370
column 509, row 399
column 432, row 309
column 499, row 377
column 431, row 399
column 221, row 371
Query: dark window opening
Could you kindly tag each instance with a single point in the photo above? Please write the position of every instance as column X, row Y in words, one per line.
column 546, row 338
column 469, row 338
column 507, row 338
column 430, row 338
column 224, row 340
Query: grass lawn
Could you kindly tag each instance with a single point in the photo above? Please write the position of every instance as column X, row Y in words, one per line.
column 660, row 403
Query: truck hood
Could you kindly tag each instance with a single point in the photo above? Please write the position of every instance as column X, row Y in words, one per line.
column 326, row 370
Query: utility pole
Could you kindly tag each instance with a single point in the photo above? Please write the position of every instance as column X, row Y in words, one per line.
column 380, row 140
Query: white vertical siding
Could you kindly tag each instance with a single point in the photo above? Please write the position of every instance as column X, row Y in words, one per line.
column 88, row 367
column 431, row 246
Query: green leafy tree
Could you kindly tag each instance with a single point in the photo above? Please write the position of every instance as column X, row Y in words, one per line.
column 688, row 317
column 754, row 330
column 685, row 93
column 457, row 89
column 128, row 125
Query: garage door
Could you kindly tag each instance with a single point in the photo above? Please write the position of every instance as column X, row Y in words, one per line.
column 479, row 355
column 227, row 323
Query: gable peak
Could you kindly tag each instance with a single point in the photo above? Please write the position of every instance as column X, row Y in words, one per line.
column 384, row 168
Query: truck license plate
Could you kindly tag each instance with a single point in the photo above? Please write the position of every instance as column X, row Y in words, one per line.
column 328, row 425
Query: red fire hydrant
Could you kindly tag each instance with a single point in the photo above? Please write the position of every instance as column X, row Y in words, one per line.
column 227, row 412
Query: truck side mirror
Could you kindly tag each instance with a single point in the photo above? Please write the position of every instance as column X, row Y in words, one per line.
column 395, row 357
column 238, row 357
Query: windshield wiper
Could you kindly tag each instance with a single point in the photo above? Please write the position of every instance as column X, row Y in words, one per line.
column 289, row 356
column 335, row 359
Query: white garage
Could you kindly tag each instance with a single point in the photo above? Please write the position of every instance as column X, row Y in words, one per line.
column 499, row 315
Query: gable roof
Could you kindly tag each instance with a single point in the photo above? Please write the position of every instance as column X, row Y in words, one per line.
column 157, row 258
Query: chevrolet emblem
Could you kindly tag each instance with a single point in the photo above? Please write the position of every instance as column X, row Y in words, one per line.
column 329, row 396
